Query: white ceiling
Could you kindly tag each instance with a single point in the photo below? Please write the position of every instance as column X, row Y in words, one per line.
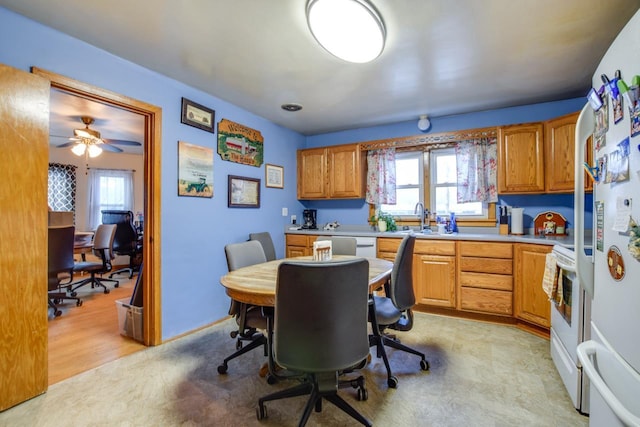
column 441, row 57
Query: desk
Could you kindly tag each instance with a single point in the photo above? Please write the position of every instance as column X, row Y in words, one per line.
column 256, row 284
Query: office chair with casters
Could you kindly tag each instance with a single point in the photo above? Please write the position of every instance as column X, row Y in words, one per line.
column 320, row 332
column 103, row 249
column 267, row 244
column 126, row 241
column 394, row 310
column 341, row 245
column 250, row 318
column 60, row 267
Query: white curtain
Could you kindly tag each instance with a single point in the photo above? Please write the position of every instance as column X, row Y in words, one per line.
column 476, row 161
column 381, row 176
column 108, row 189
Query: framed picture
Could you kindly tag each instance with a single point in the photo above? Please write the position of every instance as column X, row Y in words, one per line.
column 195, row 170
column 243, row 192
column 199, row 116
column 274, row 176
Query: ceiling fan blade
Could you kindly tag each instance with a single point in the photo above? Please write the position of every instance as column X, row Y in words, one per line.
column 121, row 142
column 111, row 148
column 67, row 144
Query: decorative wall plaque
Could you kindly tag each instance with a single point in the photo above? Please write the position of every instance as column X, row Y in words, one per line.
column 240, row 144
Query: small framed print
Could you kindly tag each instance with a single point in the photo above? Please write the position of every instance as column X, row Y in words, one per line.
column 199, row 116
column 274, row 176
column 243, row 192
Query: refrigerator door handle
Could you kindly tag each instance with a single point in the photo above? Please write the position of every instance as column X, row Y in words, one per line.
column 587, row 353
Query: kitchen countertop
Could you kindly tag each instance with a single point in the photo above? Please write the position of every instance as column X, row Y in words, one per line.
column 364, row 231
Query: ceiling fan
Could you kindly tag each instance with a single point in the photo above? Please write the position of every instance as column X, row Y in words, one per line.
column 89, row 140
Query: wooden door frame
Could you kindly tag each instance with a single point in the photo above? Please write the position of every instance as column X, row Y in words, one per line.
column 152, row 148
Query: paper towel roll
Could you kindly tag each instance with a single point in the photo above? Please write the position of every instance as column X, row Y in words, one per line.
column 516, row 220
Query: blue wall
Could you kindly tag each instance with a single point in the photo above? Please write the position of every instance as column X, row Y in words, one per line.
column 194, row 230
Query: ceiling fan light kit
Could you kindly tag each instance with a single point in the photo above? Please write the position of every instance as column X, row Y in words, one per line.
column 89, row 141
column 351, row 30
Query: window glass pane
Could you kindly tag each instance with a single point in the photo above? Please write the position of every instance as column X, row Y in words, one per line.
column 446, row 203
column 446, row 169
column 406, row 199
column 407, row 171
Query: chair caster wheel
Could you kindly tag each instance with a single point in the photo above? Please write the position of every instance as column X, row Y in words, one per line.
column 261, row 412
column 392, row 382
column 117, row 285
column 234, row 334
column 363, row 394
column 73, row 294
column 106, row 291
column 57, row 313
column 424, row 365
column 222, row 369
column 271, row 380
column 79, row 303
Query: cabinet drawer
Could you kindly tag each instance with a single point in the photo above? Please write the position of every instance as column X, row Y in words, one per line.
column 486, row 301
column 435, row 247
column 297, row 240
column 486, row 281
column 388, row 245
column 486, row 249
column 486, row 265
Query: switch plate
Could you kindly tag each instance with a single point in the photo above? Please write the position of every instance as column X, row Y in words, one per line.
column 285, row 211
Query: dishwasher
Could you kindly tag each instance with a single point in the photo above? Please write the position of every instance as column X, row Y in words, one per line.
column 366, row 247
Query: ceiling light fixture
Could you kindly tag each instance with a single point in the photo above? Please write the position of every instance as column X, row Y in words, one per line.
column 291, row 107
column 424, row 123
column 352, row 30
column 88, row 146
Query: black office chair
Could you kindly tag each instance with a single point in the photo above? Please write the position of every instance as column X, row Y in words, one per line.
column 61, row 263
column 250, row 318
column 320, row 331
column 394, row 310
column 103, row 249
column 267, row 244
column 341, row 245
column 126, row 241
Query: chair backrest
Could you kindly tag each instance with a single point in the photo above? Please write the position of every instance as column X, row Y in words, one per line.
column 244, row 254
column 267, row 244
column 341, row 245
column 401, row 281
column 60, row 252
column 103, row 239
column 126, row 239
column 321, row 315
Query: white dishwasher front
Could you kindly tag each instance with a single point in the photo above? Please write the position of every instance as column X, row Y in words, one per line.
column 366, row 247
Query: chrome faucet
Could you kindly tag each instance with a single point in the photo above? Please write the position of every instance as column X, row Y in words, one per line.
column 421, row 213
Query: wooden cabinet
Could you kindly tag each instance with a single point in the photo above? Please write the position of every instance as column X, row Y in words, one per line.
column 387, row 248
column 336, row 172
column 521, row 159
column 434, row 273
column 299, row 245
column 531, row 303
column 559, row 142
column 486, row 277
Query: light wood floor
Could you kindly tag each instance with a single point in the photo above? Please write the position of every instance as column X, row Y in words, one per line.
column 86, row 337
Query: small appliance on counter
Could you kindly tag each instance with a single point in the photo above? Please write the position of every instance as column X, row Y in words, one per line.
column 309, row 219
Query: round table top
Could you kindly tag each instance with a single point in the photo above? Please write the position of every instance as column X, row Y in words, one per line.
column 256, row 284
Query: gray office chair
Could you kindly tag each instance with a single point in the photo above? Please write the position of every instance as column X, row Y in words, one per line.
column 341, row 245
column 394, row 310
column 103, row 249
column 320, row 331
column 60, row 265
column 250, row 318
column 267, row 244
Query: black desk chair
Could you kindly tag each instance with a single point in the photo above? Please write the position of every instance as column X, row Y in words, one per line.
column 394, row 310
column 60, row 268
column 250, row 318
column 341, row 245
column 320, row 331
column 126, row 241
column 103, row 249
column 267, row 244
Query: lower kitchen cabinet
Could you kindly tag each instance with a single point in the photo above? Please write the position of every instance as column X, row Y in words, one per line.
column 531, row 303
column 299, row 245
column 434, row 273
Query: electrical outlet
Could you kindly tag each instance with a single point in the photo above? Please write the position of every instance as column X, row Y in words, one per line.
column 509, row 210
column 285, row 211
column 293, row 219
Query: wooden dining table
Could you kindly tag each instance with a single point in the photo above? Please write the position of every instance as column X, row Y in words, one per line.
column 256, row 284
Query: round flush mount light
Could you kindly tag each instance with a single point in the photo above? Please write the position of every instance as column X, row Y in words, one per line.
column 424, row 123
column 352, row 30
column 291, row 107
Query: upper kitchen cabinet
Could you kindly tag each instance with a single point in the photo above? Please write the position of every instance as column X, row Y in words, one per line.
column 336, row 172
column 521, row 159
column 559, row 140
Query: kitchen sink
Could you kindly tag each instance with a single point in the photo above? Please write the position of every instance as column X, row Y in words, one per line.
column 425, row 232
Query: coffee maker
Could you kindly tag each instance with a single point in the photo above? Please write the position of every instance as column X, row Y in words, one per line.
column 309, row 219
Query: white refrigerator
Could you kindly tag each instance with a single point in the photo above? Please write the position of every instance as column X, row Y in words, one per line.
column 611, row 358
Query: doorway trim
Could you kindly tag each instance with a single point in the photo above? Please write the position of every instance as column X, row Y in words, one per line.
column 151, row 283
